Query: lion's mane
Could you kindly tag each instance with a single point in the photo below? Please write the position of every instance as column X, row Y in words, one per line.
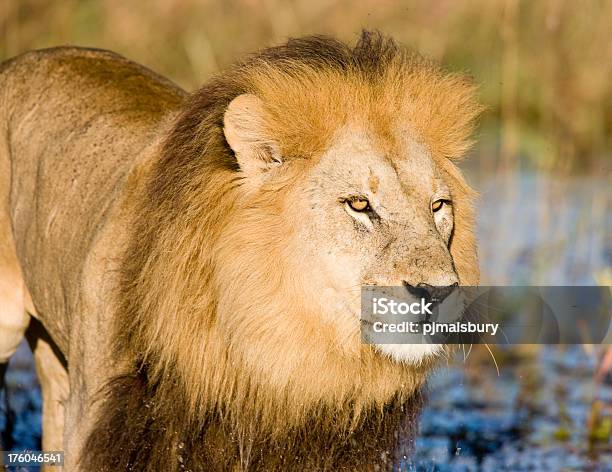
column 188, row 395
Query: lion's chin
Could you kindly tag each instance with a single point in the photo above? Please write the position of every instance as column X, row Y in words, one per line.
column 411, row 353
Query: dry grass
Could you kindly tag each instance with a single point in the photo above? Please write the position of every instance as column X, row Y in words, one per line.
column 545, row 66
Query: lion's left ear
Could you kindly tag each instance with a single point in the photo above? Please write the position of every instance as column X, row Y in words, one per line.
column 245, row 132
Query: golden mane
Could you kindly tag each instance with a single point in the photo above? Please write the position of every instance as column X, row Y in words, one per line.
column 174, row 271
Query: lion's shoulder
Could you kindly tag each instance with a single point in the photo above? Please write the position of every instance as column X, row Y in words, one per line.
column 82, row 79
column 74, row 123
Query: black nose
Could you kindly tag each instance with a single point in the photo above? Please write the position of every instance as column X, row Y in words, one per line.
column 431, row 294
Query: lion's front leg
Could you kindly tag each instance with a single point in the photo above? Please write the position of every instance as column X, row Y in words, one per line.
column 13, row 317
column 53, row 378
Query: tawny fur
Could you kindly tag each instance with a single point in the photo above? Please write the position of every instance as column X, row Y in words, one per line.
column 175, row 268
column 174, row 271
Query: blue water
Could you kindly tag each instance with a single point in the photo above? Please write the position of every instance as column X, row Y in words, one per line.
column 532, row 416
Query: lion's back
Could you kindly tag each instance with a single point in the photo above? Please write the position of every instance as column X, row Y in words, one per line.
column 72, row 122
column 70, row 85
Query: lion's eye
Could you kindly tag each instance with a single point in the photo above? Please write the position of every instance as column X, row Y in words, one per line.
column 438, row 204
column 359, row 204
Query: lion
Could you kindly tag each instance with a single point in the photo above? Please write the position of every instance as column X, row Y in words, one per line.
column 189, row 265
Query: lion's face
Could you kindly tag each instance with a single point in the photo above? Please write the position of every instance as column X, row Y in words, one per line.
column 364, row 215
column 366, row 211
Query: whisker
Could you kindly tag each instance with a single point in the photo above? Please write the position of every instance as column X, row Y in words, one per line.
column 493, row 357
column 469, row 351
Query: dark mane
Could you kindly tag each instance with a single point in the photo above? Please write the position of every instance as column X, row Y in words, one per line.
column 203, row 113
column 177, row 408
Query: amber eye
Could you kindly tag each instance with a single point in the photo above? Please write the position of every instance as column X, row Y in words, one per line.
column 437, row 205
column 359, row 204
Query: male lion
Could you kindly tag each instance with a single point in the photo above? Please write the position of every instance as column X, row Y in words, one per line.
column 193, row 263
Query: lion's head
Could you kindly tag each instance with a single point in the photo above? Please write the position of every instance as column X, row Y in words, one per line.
column 286, row 184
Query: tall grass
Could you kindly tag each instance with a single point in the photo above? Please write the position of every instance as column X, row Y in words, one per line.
column 544, row 66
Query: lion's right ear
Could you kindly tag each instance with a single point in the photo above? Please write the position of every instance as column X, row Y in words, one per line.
column 244, row 129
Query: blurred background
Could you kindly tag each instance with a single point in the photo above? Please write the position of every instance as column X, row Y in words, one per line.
column 542, row 165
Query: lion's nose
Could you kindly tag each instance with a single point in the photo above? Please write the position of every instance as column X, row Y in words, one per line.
column 430, row 293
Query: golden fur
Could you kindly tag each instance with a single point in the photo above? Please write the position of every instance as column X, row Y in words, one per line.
column 193, row 223
column 176, row 265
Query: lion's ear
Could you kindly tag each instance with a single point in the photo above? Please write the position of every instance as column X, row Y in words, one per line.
column 244, row 129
